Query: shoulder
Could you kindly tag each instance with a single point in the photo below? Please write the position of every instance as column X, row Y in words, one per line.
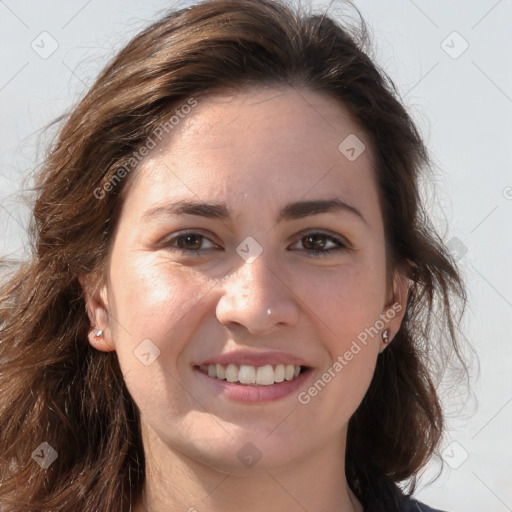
column 411, row 505
column 387, row 496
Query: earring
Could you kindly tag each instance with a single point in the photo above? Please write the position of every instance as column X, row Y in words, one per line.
column 98, row 333
column 385, row 339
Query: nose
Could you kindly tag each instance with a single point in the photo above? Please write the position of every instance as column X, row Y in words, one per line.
column 256, row 299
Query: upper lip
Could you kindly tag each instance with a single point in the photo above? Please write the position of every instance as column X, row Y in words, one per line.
column 255, row 359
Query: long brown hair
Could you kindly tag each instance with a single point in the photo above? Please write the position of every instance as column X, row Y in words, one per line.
column 56, row 389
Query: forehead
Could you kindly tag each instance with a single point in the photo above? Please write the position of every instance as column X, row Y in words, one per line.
column 274, row 143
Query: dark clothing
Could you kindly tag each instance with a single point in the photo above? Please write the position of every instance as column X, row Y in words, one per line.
column 393, row 500
column 411, row 505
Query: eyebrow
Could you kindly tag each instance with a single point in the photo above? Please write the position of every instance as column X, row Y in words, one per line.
column 301, row 209
column 291, row 211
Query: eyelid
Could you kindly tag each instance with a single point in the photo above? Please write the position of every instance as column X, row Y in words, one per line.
column 168, row 240
column 341, row 241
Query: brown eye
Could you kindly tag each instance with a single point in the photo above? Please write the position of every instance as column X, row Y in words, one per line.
column 315, row 242
column 320, row 244
column 191, row 241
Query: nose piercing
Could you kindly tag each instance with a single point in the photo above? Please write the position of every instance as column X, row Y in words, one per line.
column 269, row 311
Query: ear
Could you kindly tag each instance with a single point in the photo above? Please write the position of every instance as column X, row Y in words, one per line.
column 394, row 310
column 96, row 304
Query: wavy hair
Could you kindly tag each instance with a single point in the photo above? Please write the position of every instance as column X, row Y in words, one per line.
column 56, row 388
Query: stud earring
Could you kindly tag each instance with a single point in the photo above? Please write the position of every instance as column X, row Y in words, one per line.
column 98, row 333
column 385, row 339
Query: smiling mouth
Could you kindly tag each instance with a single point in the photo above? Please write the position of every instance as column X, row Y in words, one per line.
column 265, row 375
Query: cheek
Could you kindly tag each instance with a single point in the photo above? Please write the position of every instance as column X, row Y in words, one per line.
column 346, row 300
column 155, row 306
column 155, row 300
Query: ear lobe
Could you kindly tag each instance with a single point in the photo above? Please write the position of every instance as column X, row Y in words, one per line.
column 397, row 306
column 96, row 305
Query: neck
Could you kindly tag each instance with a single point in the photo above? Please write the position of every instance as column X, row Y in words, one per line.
column 177, row 482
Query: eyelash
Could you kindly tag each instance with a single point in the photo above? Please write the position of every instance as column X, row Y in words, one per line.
column 339, row 244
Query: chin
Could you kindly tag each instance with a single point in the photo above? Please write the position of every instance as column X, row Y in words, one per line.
column 242, row 453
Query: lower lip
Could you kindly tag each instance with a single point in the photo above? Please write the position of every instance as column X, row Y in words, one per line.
column 253, row 393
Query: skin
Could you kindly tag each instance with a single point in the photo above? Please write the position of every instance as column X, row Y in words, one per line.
column 255, row 151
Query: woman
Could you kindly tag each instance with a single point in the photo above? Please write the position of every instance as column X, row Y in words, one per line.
column 235, row 297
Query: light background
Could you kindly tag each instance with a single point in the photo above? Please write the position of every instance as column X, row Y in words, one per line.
column 462, row 102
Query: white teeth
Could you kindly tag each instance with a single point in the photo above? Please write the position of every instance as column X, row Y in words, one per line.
column 265, row 375
column 279, row 377
column 289, row 371
column 232, row 373
column 221, row 373
column 245, row 374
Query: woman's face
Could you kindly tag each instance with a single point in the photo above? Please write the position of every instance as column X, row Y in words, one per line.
column 250, row 240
